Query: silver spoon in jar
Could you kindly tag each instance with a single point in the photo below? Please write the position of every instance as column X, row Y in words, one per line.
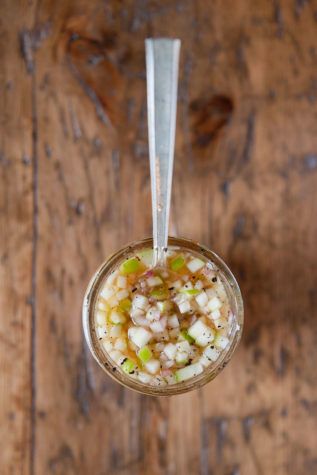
column 162, row 58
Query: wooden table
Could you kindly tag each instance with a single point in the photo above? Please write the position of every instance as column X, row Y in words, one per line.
column 75, row 187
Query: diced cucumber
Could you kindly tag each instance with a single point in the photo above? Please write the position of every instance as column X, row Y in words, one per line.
column 129, row 266
column 128, row 366
column 177, row 263
column 188, row 372
column 125, row 305
column 145, row 354
column 186, row 336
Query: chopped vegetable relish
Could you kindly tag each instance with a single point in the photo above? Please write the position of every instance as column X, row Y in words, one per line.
column 164, row 325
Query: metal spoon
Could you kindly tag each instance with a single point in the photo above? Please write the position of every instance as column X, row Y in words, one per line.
column 162, row 58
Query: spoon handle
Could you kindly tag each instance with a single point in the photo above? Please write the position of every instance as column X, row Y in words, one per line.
column 162, row 57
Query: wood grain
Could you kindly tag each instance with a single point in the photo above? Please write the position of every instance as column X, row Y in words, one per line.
column 75, row 187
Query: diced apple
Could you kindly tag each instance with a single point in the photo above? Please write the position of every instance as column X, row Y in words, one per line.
column 112, row 277
column 215, row 314
column 170, row 378
column 221, row 341
column 117, row 356
column 170, row 351
column 146, row 256
column 205, row 338
column 122, row 294
column 211, row 353
column 107, row 345
column 184, row 307
column 117, row 317
column 113, row 301
column 101, row 317
column 154, row 281
column 122, row 282
column 153, row 314
column 202, row 299
column 102, row 305
column 199, row 285
column 120, row 344
column 202, row 334
column 144, row 377
column 140, row 301
column 197, row 329
column 177, row 284
column 210, row 293
column 115, row 331
column 158, row 326
column 172, row 321
column 101, row 331
column 181, row 357
column 107, row 293
column 183, row 346
column 153, row 366
column 188, row 372
column 195, row 264
column 214, row 304
column 139, row 336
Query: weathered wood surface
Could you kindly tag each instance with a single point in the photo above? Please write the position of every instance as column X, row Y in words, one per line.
column 75, row 186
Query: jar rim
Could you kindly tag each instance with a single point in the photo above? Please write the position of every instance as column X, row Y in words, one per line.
column 111, row 368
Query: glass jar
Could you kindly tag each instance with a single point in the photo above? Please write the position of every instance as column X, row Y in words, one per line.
column 111, row 368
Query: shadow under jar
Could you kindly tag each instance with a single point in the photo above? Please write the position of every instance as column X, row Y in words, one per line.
column 113, row 369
